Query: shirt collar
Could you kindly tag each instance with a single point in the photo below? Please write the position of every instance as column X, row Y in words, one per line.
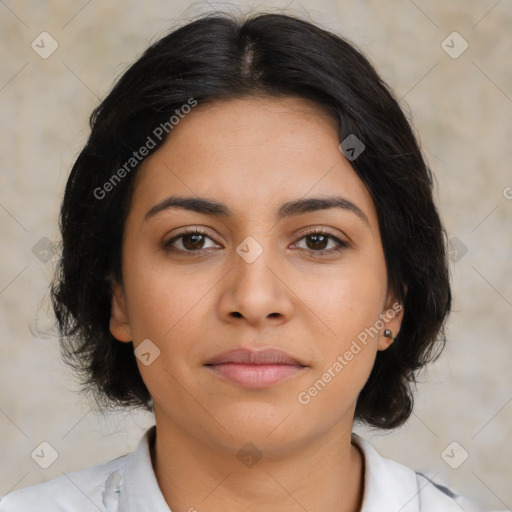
column 386, row 482
column 139, row 490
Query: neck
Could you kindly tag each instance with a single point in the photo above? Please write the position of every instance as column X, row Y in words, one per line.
column 326, row 474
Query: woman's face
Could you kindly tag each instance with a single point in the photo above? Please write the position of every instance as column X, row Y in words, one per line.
column 255, row 277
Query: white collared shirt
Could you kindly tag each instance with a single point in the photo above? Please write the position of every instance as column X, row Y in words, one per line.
column 129, row 484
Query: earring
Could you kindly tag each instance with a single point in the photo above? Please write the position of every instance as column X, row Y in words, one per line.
column 388, row 333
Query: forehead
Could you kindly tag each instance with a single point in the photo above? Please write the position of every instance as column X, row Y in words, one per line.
column 252, row 154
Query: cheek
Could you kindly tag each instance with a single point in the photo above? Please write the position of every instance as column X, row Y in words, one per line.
column 346, row 300
column 162, row 297
column 346, row 347
column 163, row 307
column 331, row 394
column 347, row 306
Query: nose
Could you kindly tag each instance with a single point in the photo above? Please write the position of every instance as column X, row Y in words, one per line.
column 256, row 290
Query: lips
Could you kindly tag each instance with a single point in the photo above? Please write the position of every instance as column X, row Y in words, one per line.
column 255, row 369
column 246, row 356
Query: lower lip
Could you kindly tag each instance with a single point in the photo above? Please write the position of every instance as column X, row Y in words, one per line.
column 256, row 375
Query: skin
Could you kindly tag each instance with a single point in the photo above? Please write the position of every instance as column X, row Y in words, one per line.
column 253, row 154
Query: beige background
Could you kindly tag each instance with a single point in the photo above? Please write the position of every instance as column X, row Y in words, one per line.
column 462, row 109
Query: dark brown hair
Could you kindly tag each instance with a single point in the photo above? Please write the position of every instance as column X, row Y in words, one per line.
column 224, row 56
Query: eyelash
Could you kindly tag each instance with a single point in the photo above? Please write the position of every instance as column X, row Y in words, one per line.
column 342, row 245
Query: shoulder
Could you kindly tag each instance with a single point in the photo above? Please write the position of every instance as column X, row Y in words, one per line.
column 435, row 495
column 78, row 491
column 126, row 484
column 400, row 487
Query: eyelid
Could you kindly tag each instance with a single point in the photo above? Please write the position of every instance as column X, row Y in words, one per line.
column 325, row 231
column 342, row 241
column 189, row 230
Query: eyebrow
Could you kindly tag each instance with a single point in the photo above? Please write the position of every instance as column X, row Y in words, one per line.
column 288, row 209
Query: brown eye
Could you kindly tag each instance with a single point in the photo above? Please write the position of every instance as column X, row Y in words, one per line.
column 318, row 242
column 193, row 242
column 188, row 241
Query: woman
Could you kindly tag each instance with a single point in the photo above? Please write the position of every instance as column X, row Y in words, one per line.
column 251, row 251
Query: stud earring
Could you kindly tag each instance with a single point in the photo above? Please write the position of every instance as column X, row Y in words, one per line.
column 388, row 333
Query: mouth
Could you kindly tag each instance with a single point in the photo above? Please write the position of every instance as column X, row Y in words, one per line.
column 255, row 369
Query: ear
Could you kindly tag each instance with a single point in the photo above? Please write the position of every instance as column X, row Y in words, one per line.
column 391, row 316
column 119, row 324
